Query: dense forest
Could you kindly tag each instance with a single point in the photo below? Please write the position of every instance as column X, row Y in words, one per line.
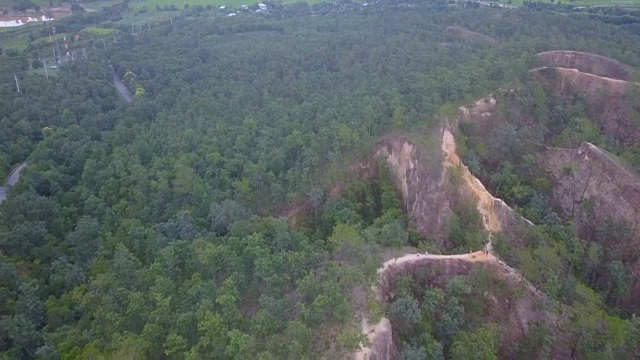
column 157, row 229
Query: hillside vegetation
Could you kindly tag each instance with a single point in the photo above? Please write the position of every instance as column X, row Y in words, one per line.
column 156, row 229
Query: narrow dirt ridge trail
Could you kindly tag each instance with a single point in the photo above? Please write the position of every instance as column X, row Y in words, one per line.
column 578, row 72
column 486, row 207
column 372, row 330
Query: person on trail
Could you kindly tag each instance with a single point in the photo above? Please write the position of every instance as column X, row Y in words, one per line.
column 395, row 260
column 426, row 253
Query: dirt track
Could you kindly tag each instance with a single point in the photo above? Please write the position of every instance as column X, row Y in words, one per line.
column 373, row 330
column 491, row 222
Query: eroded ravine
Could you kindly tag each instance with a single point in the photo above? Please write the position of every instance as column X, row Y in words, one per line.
column 486, row 201
column 565, row 71
column 380, row 333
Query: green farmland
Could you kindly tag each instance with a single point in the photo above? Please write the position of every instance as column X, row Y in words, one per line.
column 151, row 4
column 626, row 3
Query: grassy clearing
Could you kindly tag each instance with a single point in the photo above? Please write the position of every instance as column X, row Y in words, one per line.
column 99, row 5
column 152, row 16
column 17, row 40
column 96, row 31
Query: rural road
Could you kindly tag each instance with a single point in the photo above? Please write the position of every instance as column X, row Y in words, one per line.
column 124, row 92
column 14, row 176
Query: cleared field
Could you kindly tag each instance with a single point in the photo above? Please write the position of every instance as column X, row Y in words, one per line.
column 151, row 4
column 152, row 15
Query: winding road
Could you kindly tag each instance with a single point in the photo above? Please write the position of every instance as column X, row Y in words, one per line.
column 117, row 82
column 13, row 178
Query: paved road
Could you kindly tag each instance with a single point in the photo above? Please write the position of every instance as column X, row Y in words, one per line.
column 14, row 176
column 126, row 95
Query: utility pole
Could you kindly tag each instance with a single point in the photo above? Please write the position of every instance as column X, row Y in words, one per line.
column 15, row 77
column 149, row 26
column 45, row 68
column 84, row 54
column 59, row 55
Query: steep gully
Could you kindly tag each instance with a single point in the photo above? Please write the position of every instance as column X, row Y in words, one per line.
column 575, row 69
column 380, row 334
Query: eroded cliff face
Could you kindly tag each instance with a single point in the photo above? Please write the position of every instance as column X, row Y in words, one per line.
column 611, row 103
column 515, row 314
column 590, row 185
column 585, row 62
column 422, row 185
column 428, row 194
column 478, row 112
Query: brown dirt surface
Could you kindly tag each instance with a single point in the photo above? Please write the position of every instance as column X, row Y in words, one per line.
column 612, row 103
column 589, row 186
column 585, row 62
column 403, row 159
column 516, row 315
